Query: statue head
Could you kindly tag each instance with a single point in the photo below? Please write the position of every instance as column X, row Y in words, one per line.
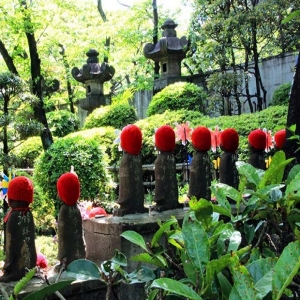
column 201, row 139
column 257, row 139
column 229, row 140
column 165, row 138
column 68, row 188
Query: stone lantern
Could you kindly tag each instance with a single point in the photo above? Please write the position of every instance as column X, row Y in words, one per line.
column 169, row 52
column 93, row 75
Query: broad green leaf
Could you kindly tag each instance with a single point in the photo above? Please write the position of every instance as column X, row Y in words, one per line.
column 43, row 293
column 286, row 268
column 274, row 173
column 196, row 242
column 292, row 174
column 270, row 193
column 159, row 233
column 218, row 230
column 221, row 197
column 252, row 174
column 203, row 211
column 119, row 258
column 228, row 241
column 229, row 191
column 215, row 266
column 142, row 274
column 260, row 267
column 291, row 16
column 264, row 285
column 225, row 286
column 134, row 238
column 293, row 188
column 188, row 267
column 242, row 280
column 176, row 287
column 249, row 232
column 147, row 258
column 152, row 295
column 222, row 210
column 82, row 269
column 176, row 239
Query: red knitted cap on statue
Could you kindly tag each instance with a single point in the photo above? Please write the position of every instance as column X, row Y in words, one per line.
column 279, row 138
column 165, row 138
column 257, row 139
column 201, row 138
column 68, row 188
column 229, row 140
column 20, row 189
column 131, row 139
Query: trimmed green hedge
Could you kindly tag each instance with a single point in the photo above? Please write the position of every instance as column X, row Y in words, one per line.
column 88, row 160
column 180, row 95
column 115, row 115
column 62, row 122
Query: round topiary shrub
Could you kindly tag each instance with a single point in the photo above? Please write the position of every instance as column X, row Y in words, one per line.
column 27, row 152
column 62, row 122
column 115, row 115
column 88, row 160
column 281, row 95
column 180, row 95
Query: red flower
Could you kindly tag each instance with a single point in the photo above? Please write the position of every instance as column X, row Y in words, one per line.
column 97, row 211
column 215, row 139
column 41, row 261
column 183, row 132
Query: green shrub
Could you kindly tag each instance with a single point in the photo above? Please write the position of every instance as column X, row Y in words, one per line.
column 272, row 118
column 180, row 95
column 88, row 160
column 105, row 137
column 148, row 126
column 27, row 152
column 281, row 94
column 115, row 115
column 62, row 122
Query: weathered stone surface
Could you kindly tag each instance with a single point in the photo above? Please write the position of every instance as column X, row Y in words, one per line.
column 131, row 188
column 102, row 235
column 70, row 234
column 200, row 176
column 20, row 242
column 227, row 170
column 166, row 185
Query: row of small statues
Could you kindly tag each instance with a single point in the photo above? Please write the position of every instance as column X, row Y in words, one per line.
column 131, row 189
column 20, row 247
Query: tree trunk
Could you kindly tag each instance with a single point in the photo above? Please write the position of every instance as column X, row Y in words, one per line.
column 8, row 59
column 293, row 116
column 35, row 66
column 155, row 35
column 256, row 68
column 246, row 73
column 69, row 85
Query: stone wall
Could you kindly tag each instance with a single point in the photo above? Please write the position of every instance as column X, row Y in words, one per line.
column 274, row 72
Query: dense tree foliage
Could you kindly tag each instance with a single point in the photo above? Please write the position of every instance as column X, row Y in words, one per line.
column 229, row 34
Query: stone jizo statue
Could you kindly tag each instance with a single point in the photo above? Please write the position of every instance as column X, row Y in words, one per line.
column 229, row 142
column 19, row 230
column 71, row 244
column 166, row 185
column 131, row 187
column 200, row 168
column 257, row 140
